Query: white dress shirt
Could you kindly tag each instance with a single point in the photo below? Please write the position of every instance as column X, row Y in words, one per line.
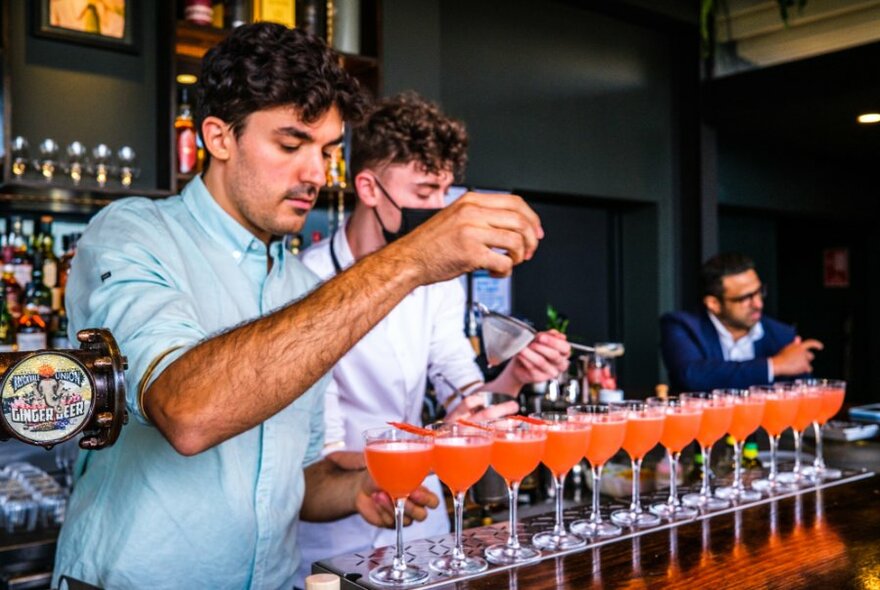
column 742, row 349
column 383, row 378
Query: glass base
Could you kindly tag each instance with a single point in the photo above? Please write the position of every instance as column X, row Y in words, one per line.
column 704, row 502
column 793, row 479
column 737, row 495
column 386, row 575
column 635, row 520
column 767, row 486
column 552, row 541
column 824, row 473
column 588, row 528
column 450, row 566
column 503, row 554
column 673, row 512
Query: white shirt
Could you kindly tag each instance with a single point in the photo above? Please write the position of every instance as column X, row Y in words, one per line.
column 384, row 378
column 742, row 349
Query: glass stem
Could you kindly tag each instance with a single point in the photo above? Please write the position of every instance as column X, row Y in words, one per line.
column 673, row 478
column 512, row 497
column 819, row 462
column 559, row 527
column 737, row 465
column 774, row 443
column 595, row 515
column 458, row 505
column 705, row 492
column 399, row 563
column 797, row 452
column 636, row 505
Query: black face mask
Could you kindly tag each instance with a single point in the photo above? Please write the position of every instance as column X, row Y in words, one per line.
column 410, row 218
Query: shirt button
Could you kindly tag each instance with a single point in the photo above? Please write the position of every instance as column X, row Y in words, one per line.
column 236, row 254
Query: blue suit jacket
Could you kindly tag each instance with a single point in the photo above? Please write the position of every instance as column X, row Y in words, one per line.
column 693, row 357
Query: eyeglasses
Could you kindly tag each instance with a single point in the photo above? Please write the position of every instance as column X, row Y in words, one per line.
column 760, row 291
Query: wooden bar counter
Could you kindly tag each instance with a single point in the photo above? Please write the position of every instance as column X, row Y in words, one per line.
column 817, row 538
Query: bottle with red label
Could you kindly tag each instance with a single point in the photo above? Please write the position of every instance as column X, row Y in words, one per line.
column 185, row 130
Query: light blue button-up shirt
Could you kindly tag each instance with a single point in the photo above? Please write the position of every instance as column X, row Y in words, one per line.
column 160, row 275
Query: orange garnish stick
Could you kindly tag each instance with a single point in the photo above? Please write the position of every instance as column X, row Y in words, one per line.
column 412, row 429
column 529, row 420
column 464, row 422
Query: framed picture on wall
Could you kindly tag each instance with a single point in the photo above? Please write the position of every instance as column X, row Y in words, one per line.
column 102, row 23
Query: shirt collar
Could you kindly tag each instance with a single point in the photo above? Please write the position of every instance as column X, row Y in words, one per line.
column 753, row 335
column 229, row 233
column 341, row 248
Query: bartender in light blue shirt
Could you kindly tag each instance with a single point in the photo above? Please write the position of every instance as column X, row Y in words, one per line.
column 225, row 389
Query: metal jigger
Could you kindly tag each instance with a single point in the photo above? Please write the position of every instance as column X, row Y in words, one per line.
column 76, row 158
column 48, row 158
column 101, row 155
column 19, row 149
column 127, row 158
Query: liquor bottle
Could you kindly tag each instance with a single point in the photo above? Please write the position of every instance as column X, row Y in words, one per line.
column 46, row 245
column 7, row 327
column 22, row 265
column 311, row 16
column 37, row 294
column 12, row 292
column 69, row 242
column 31, row 330
column 186, row 134
column 58, row 338
column 235, row 13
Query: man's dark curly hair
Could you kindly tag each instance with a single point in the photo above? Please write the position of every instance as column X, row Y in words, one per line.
column 265, row 65
column 407, row 128
column 720, row 266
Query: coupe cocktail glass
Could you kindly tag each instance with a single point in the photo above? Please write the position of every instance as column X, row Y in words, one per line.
column 644, row 426
column 748, row 409
column 461, row 457
column 716, row 420
column 609, row 430
column 780, row 408
column 808, row 411
column 398, row 462
column 517, row 449
column 681, row 427
column 833, row 392
column 567, row 441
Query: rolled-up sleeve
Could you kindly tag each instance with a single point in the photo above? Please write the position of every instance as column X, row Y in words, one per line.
column 451, row 354
column 117, row 283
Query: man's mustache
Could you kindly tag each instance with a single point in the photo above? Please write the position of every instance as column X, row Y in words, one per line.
column 302, row 191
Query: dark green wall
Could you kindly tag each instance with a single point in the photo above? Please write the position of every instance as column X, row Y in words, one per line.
column 74, row 92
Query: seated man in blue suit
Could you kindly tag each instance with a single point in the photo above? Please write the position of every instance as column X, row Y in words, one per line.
column 729, row 344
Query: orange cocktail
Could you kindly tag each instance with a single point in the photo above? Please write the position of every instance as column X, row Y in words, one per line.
column 399, row 467
column 517, row 448
column 715, row 421
column 567, row 441
column 748, row 410
column 398, row 461
column 461, row 457
column 808, row 412
column 644, row 426
column 832, row 400
column 609, row 429
column 781, row 404
column 681, row 427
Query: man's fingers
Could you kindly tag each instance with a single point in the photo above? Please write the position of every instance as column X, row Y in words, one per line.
column 424, row 497
column 508, row 202
column 812, row 344
column 496, row 411
column 537, row 360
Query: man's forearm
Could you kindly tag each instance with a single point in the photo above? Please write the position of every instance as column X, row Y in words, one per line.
column 330, row 491
column 230, row 383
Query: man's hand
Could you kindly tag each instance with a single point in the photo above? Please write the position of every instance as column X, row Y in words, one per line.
column 795, row 358
column 348, row 460
column 494, row 232
column 473, row 407
column 377, row 508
